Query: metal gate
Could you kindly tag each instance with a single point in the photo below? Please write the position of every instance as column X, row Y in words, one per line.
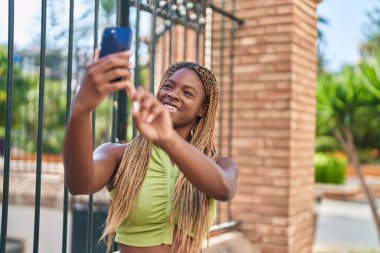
column 34, row 107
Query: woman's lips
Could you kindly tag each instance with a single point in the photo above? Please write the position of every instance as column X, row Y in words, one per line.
column 171, row 108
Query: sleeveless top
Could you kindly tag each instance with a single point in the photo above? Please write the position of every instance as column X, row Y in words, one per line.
column 150, row 225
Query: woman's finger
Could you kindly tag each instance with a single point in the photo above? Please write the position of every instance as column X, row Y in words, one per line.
column 117, row 73
column 137, row 100
column 153, row 113
column 96, row 55
column 146, row 104
column 115, row 86
column 139, row 95
column 117, row 60
column 130, row 90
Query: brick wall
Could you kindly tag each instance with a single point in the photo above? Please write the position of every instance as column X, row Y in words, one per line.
column 273, row 107
column 273, row 119
column 177, row 50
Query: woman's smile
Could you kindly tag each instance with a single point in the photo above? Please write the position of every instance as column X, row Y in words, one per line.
column 171, row 108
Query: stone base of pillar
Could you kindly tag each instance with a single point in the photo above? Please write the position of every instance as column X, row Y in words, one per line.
column 230, row 242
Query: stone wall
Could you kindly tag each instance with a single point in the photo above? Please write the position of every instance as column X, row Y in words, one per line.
column 230, row 242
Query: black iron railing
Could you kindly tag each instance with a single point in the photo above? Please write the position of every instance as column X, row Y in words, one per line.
column 165, row 17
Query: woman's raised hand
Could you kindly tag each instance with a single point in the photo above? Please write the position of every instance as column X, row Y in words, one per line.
column 98, row 81
column 152, row 119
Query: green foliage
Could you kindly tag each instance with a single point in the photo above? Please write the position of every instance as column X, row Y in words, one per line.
column 364, row 155
column 369, row 155
column 326, row 143
column 25, row 95
column 25, row 116
column 368, row 133
column 370, row 74
column 54, row 116
column 372, row 42
column 329, row 168
column 349, row 100
column 338, row 97
column 20, row 85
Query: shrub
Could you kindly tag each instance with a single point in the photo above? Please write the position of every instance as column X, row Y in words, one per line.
column 369, row 155
column 329, row 168
column 364, row 155
column 326, row 143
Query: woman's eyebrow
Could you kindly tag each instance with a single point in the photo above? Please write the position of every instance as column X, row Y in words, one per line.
column 187, row 86
column 190, row 87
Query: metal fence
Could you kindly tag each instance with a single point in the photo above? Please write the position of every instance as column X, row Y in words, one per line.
column 163, row 17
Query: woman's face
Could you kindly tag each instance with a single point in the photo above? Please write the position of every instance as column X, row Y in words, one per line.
column 183, row 95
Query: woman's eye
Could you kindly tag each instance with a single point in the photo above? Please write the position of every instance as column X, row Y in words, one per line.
column 188, row 93
column 166, row 86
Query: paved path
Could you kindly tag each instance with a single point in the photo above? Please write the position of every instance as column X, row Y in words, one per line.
column 345, row 227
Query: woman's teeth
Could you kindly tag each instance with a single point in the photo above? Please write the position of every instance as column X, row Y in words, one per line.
column 171, row 108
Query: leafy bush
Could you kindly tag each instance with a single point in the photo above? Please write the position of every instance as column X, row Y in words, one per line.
column 329, row 168
column 364, row 155
column 369, row 155
column 326, row 143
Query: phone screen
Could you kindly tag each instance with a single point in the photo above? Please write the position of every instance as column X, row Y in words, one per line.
column 115, row 39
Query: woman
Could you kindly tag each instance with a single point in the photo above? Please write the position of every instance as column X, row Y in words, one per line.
column 165, row 182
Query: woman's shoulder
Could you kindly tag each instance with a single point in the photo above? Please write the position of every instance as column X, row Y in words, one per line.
column 112, row 150
column 111, row 154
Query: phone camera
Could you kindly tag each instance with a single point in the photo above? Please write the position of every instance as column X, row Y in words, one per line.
column 111, row 34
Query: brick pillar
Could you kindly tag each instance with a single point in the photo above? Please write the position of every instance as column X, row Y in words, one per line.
column 274, row 120
column 178, row 52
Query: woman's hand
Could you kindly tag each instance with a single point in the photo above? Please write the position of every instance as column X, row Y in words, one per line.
column 151, row 117
column 98, row 80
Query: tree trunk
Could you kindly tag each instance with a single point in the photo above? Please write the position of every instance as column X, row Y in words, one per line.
column 349, row 146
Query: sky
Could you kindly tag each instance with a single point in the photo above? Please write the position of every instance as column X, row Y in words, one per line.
column 345, row 30
column 343, row 34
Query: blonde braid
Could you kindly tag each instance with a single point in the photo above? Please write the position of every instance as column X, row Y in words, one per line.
column 190, row 206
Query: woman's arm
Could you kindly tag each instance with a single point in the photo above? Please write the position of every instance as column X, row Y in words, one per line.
column 87, row 172
column 217, row 180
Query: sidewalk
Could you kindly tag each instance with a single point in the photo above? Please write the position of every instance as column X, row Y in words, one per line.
column 345, row 227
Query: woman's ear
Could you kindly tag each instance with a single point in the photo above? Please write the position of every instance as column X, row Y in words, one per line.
column 203, row 110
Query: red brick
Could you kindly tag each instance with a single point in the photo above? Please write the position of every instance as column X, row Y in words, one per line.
column 274, row 120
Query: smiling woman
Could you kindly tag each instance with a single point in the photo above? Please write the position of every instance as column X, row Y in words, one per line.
column 178, row 96
column 164, row 183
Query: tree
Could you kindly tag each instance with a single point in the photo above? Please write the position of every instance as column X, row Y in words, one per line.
column 370, row 77
column 25, row 106
column 20, row 85
column 341, row 98
column 372, row 42
column 322, row 21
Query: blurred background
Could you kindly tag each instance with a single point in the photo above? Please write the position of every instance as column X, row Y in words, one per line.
column 347, row 147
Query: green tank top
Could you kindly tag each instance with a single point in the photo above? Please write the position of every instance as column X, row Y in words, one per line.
column 150, row 225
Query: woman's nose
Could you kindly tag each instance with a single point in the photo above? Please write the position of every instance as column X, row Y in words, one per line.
column 172, row 94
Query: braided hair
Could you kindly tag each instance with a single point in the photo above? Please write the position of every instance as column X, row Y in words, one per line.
column 190, row 211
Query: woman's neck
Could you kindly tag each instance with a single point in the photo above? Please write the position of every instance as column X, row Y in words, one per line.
column 184, row 132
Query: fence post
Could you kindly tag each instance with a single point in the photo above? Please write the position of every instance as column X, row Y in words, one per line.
column 121, row 98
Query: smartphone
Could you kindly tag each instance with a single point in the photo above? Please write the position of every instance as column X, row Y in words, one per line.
column 115, row 39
